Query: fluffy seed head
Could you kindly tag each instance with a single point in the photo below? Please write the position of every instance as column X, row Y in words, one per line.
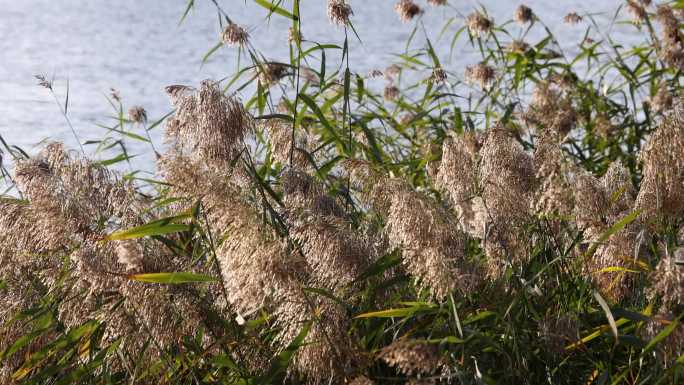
column 209, row 124
column 438, row 75
column 407, row 10
column 339, row 12
column 137, row 114
column 412, row 356
column 234, row 35
column 478, row 24
column 391, row 93
column 437, row 2
column 480, row 73
column 572, row 18
column 518, row 46
column 637, row 11
column 432, row 245
column 270, row 73
column 523, row 14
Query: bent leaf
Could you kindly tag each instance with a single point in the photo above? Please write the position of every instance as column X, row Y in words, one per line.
column 172, row 278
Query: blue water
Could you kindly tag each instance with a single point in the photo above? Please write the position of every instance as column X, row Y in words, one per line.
column 138, row 47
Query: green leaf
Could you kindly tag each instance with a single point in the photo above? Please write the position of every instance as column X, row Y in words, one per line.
column 172, row 278
column 609, row 314
column 114, row 160
column 400, row 312
column 272, row 8
column 158, row 227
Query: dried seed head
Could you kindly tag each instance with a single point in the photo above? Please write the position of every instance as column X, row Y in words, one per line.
column 374, row 74
column 637, row 11
column 572, row 18
column 480, row 73
column 412, row 356
column 671, row 347
column 270, row 73
column 391, row 93
column 523, row 14
column 438, row 75
column 432, row 245
column 551, row 109
column 662, row 100
column 280, row 135
column 255, row 265
column 209, row 124
column 339, row 12
column 43, row 82
column 137, row 114
column 554, row 195
column 407, row 10
column 478, row 24
column 661, row 194
column 335, row 254
column 115, row 94
column 129, row 254
column 457, row 174
column 293, row 35
column 506, row 175
column 74, row 192
column 668, row 279
column 361, row 380
column 327, row 354
column 437, row 2
column 234, row 35
column 392, row 72
column 518, row 46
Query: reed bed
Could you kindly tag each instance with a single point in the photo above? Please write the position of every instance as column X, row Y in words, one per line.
column 518, row 221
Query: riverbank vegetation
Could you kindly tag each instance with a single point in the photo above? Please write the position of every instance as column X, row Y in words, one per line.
column 518, row 221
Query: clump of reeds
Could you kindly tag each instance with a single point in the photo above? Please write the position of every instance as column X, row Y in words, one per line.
column 524, row 231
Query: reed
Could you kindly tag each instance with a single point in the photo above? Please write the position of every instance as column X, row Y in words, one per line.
column 519, row 221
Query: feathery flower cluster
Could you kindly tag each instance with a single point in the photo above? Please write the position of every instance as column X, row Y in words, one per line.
column 412, row 356
column 661, row 196
column 672, row 44
column 432, row 245
column 480, row 73
column 457, row 174
column 554, row 195
column 478, row 24
column 280, row 135
column 137, row 114
column 391, row 92
column 339, row 12
column 523, row 14
column 518, row 46
column 507, row 180
column 438, row 75
column 407, row 10
column 209, row 124
column 234, row 35
column 572, row 18
column 662, row 100
column 551, row 109
column 637, row 11
column 270, row 73
column 599, row 204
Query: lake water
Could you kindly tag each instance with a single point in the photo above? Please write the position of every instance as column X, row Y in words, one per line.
column 138, row 47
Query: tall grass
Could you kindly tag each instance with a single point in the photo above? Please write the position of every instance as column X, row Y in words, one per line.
column 518, row 221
